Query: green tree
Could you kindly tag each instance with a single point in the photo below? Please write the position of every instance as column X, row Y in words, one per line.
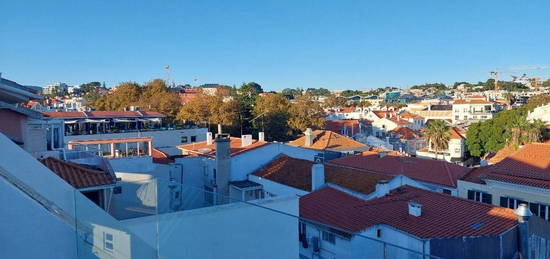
column 333, row 101
column 538, row 100
column 271, row 115
column 251, row 88
column 305, row 113
column 124, row 95
column 438, row 135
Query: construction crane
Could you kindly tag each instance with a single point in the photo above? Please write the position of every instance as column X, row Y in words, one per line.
column 167, row 71
column 534, row 81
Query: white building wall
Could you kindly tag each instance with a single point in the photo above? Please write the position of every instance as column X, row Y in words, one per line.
column 364, row 247
column 67, row 201
column 235, row 230
column 27, row 228
column 272, row 188
column 161, row 138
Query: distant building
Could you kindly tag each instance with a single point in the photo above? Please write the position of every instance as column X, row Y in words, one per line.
column 521, row 176
column 56, row 89
column 339, row 224
column 456, row 148
column 472, row 110
column 329, row 141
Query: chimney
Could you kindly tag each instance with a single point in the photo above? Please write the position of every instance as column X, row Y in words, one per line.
column 383, row 188
column 261, row 136
column 317, row 176
column 246, row 140
column 523, row 214
column 309, row 137
column 223, row 164
column 220, row 129
column 415, row 209
column 208, row 138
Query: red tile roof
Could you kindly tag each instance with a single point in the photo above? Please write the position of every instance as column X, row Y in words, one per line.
column 443, row 216
column 66, row 115
column 460, row 101
column 104, row 114
column 160, row 157
column 406, row 133
column 529, row 165
column 339, row 125
column 420, row 169
column 328, row 140
column 297, row 173
column 348, row 109
column 202, row 149
column 408, row 115
column 457, row 133
column 382, row 114
column 76, row 175
column 399, row 121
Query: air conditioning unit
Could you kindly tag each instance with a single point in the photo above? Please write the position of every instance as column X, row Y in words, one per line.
column 315, row 244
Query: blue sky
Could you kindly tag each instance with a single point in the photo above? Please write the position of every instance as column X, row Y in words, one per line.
column 279, row 44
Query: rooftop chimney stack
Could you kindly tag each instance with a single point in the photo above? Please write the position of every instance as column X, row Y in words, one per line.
column 261, row 136
column 208, row 138
column 246, row 140
column 415, row 209
column 383, row 188
column 223, row 164
column 317, row 176
column 309, row 137
column 523, row 214
column 220, row 129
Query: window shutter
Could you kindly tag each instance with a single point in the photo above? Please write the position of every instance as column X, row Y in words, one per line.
column 471, row 195
column 487, row 198
column 503, row 202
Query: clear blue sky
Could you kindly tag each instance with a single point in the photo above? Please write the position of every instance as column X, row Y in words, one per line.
column 279, row 44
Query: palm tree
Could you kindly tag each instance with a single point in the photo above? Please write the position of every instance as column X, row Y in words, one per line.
column 509, row 97
column 523, row 132
column 438, row 136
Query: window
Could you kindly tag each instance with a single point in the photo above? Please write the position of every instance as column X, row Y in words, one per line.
column 484, row 117
column 446, row 191
column 510, row 202
column 108, row 242
column 379, row 233
column 329, row 237
column 193, row 138
column 480, row 196
column 540, row 210
column 456, row 117
column 184, row 139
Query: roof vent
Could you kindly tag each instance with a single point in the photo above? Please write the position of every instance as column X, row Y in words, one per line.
column 415, row 209
column 523, row 213
column 381, row 154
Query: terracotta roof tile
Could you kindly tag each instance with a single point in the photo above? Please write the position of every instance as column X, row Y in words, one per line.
column 297, row 173
column 339, row 125
column 202, row 149
column 160, row 157
column 408, row 115
column 77, row 175
column 529, row 165
column 66, row 115
column 103, row 114
column 405, row 133
column 420, row 169
column 443, row 216
column 461, row 101
column 328, row 140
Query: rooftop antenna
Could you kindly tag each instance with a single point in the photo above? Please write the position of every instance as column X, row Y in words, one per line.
column 167, row 71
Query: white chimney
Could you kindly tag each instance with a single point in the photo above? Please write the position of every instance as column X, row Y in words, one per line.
column 309, row 137
column 415, row 209
column 208, row 138
column 317, row 176
column 246, row 140
column 382, row 188
column 261, row 136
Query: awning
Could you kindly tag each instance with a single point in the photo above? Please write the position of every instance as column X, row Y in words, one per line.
column 124, row 120
column 150, row 120
column 95, row 121
column 71, row 122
